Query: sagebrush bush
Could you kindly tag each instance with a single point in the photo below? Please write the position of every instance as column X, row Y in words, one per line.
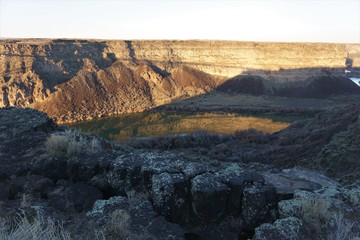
column 56, row 144
column 119, row 226
column 70, row 143
column 315, row 213
column 38, row 228
column 353, row 197
column 94, row 145
column 340, row 228
column 324, row 223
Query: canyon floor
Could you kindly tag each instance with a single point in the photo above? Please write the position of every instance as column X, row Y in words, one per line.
column 257, row 104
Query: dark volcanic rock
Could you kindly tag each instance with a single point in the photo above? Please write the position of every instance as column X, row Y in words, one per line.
column 82, row 196
column 170, row 195
column 51, row 167
column 258, row 205
column 22, row 135
column 290, row 180
column 78, row 196
column 35, row 185
column 144, row 222
column 4, row 191
column 268, row 231
column 17, row 121
column 135, row 170
column 237, row 179
column 209, row 197
column 285, row 228
column 174, row 195
column 142, row 214
column 161, row 229
column 102, row 209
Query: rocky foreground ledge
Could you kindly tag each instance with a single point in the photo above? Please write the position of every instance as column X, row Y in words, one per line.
column 103, row 190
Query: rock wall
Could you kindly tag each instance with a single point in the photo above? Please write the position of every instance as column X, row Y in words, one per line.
column 228, row 58
column 81, row 79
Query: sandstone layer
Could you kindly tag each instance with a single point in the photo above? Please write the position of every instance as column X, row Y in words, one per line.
column 82, row 79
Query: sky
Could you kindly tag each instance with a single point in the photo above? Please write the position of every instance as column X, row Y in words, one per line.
column 242, row 20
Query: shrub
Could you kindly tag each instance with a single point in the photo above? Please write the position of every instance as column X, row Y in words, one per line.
column 353, row 196
column 74, row 148
column 94, row 146
column 119, row 226
column 315, row 214
column 56, row 144
column 340, row 228
column 38, row 228
column 322, row 222
column 70, row 143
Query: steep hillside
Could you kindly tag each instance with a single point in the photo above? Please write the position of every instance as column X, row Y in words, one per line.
column 81, row 79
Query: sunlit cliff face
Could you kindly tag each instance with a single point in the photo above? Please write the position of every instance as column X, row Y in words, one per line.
column 73, row 80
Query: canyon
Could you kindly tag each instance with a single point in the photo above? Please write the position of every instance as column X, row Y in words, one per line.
column 74, row 80
column 200, row 185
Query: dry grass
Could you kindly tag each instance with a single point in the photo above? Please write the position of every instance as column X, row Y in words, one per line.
column 341, row 228
column 39, row 228
column 315, row 214
column 94, row 146
column 119, row 226
column 324, row 223
column 70, row 144
column 354, row 198
column 56, row 144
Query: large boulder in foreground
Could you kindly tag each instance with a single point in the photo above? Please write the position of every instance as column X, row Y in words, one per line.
column 169, row 195
column 209, row 197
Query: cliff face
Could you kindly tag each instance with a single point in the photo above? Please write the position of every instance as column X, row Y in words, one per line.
column 80, row 79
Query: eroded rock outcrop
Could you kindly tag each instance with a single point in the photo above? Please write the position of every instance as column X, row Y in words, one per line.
column 74, row 80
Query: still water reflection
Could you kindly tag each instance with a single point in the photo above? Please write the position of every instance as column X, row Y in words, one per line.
column 159, row 124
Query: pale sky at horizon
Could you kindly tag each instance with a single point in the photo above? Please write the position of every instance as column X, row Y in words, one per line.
column 242, row 20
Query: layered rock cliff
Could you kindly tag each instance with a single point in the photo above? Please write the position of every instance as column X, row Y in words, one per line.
column 81, row 79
